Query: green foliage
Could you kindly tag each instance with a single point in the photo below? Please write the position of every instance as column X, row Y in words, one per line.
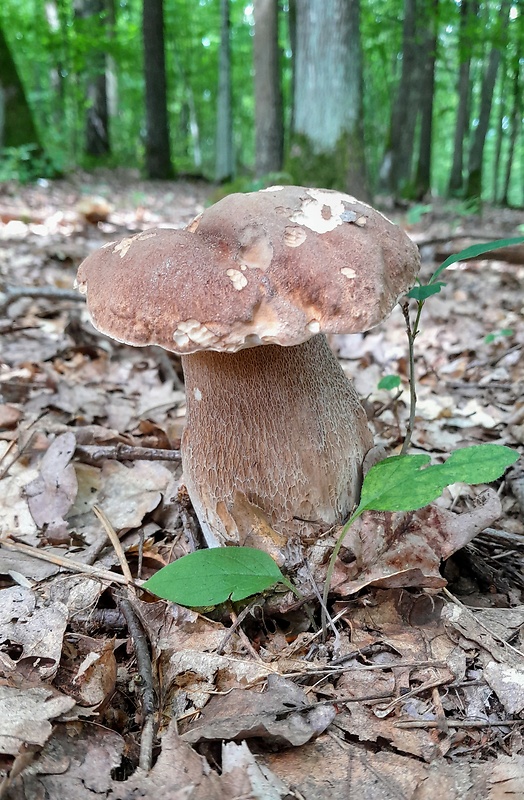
column 496, row 336
column 417, row 212
column 389, row 382
column 248, row 183
column 406, row 483
column 423, row 291
column 25, row 163
column 210, row 577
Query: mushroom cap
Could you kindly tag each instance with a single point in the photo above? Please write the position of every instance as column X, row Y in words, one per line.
column 270, row 267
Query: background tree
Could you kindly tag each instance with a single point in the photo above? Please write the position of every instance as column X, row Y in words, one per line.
column 97, row 112
column 269, row 122
column 224, row 165
column 467, row 29
column 327, row 147
column 410, row 104
column 476, row 153
column 157, row 146
column 17, row 126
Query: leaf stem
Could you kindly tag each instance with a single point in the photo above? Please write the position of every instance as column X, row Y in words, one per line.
column 331, row 566
column 412, row 332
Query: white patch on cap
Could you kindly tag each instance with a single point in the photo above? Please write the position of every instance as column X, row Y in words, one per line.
column 193, row 331
column 313, row 326
column 237, row 278
column 123, row 246
column 294, row 236
column 348, row 272
column 197, row 394
column 272, row 189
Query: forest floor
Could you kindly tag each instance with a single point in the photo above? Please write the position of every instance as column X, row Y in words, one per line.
column 420, row 695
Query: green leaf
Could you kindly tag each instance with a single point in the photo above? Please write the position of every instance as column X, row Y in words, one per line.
column 494, row 337
column 473, row 251
column 400, row 484
column 389, row 382
column 423, row 292
column 406, row 483
column 210, row 577
column 480, row 463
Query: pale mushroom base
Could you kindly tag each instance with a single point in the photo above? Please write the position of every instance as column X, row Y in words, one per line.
column 273, row 449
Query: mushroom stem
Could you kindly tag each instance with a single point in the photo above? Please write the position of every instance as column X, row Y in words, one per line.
column 280, row 427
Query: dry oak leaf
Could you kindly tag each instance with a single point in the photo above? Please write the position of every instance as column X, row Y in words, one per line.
column 281, row 715
column 51, row 495
column 395, row 549
column 33, row 626
column 25, row 716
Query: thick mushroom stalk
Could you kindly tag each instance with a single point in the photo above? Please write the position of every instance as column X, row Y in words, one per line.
column 280, row 426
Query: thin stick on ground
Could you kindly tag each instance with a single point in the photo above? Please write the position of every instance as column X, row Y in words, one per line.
column 96, row 573
column 145, row 670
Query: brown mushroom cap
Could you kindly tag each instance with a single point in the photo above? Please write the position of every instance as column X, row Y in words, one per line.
column 270, row 267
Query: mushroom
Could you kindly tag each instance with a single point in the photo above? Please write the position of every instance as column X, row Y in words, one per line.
column 246, row 293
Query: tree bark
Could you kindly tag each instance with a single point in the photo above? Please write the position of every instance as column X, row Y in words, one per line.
column 397, row 169
column 327, row 147
column 427, row 92
column 515, row 128
column 269, row 123
column 224, row 163
column 476, row 153
column 97, row 114
column 468, row 13
column 157, row 146
column 17, row 126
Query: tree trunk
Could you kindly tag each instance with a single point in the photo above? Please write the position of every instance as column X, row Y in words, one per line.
column 97, row 114
column 157, row 146
column 468, row 13
column 502, row 113
column 17, row 125
column 427, row 92
column 269, row 124
column 327, row 147
column 397, row 170
column 515, row 128
column 224, row 163
column 476, row 153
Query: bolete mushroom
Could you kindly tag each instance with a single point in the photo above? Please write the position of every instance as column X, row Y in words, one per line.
column 245, row 294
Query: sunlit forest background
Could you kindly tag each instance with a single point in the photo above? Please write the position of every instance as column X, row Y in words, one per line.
column 405, row 98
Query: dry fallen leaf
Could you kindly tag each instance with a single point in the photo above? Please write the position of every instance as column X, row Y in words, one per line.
column 281, row 715
column 31, row 632
column 51, row 495
column 406, row 548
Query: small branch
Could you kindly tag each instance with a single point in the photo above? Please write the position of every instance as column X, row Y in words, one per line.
column 14, row 293
column 145, row 670
column 66, row 563
column 115, row 541
column 124, row 452
column 456, row 723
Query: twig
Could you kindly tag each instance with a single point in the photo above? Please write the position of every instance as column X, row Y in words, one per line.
column 68, row 563
column 456, row 723
column 145, row 670
column 13, row 293
column 115, row 541
column 125, row 452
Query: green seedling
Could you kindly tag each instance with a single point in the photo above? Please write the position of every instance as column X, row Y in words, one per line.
column 496, row 336
column 389, row 382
